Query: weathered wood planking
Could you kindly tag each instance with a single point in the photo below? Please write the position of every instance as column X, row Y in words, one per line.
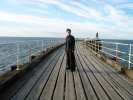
column 97, row 87
column 89, row 91
column 37, row 89
column 78, row 87
column 97, row 64
column 69, row 89
column 124, row 94
column 19, row 84
column 49, row 88
column 93, row 80
column 44, row 71
column 60, row 85
column 106, row 87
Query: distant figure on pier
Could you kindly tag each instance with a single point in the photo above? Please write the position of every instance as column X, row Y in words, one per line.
column 70, row 47
column 97, row 35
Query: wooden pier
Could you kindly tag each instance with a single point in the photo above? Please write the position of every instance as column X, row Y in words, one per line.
column 92, row 80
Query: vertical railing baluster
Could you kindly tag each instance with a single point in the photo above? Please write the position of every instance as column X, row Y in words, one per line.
column 129, row 56
column 42, row 46
column 48, row 41
column 116, row 51
column 29, row 55
column 98, row 47
column 95, row 47
column 18, row 53
column 91, row 45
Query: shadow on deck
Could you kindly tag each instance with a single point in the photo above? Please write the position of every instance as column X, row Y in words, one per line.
column 92, row 80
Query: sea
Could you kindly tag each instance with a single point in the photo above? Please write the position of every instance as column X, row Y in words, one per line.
column 123, row 46
column 11, row 47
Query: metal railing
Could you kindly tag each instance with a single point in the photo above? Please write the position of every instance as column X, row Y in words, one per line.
column 121, row 52
column 19, row 53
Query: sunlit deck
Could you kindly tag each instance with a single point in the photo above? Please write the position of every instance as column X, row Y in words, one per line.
column 92, row 80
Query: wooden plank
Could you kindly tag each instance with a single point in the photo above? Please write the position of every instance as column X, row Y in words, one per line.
column 109, row 90
column 124, row 94
column 122, row 81
column 89, row 91
column 110, row 69
column 36, row 91
column 69, row 89
column 103, row 82
column 15, row 88
column 24, row 92
column 59, row 90
column 47, row 92
column 78, row 87
column 116, row 87
column 99, row 90
column 116, row 74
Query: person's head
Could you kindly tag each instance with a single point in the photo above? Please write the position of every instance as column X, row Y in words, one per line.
column 68, row 31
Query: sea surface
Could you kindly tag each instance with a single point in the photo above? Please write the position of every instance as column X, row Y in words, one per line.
column 124, row 47
column 12, row 48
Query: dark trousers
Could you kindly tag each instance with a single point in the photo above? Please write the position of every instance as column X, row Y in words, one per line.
column 70, row 57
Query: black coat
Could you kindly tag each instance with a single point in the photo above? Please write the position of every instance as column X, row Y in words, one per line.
column 70, row 43
column 70, row 46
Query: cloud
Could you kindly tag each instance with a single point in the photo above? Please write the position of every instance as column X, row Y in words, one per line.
column 33, row 24
column 115, row 15
column 126, row 6
column 118, row 17
column 11, row 17
column 109, row 19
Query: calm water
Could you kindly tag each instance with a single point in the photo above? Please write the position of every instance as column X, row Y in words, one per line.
column 8, row 48
column 123, row 48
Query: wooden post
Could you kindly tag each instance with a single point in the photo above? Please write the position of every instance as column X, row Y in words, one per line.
column 95, row 47
column 98, row 47
column 91, row 45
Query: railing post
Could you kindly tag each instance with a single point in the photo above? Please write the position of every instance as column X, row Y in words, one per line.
column 95, row 47
column 98, row 47
column 49, row 44
column 29, row 56
column 42, row 46
column 116, row 52
column 18, row 53
column 129, row 56
column 91, row 45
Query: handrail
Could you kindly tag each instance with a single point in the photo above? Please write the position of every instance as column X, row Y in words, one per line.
column 24, row 50
column 114, row 43
column 114, row 50
column 7, row 43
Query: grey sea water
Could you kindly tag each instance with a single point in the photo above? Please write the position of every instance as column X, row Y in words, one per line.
column 9, row 49
column 122, row 48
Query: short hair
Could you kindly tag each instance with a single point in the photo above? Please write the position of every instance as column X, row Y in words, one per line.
column 68, row 30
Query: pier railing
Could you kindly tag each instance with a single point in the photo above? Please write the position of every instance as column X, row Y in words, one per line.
column 16, row 54
column 120, row 52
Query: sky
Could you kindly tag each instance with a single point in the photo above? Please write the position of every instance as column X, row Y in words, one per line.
column 50, row 18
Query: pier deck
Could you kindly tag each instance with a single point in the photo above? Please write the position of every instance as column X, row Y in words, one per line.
column 92, row 80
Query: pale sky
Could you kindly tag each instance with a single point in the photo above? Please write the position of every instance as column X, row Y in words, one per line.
column 50, row 18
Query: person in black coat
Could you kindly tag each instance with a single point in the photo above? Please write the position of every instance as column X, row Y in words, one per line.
column 70, row 47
